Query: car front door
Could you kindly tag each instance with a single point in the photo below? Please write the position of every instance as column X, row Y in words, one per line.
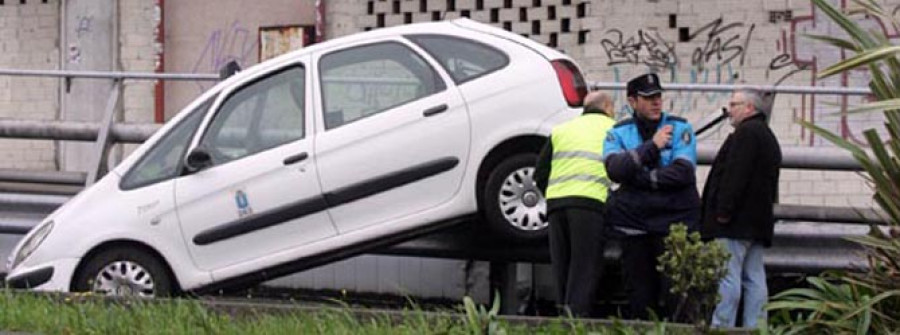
column 258, row 192
column 395, row 135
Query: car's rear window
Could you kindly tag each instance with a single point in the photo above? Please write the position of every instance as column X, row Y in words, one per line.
column 463, row 59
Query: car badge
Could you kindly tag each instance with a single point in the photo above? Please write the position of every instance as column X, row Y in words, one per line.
column 243, row 205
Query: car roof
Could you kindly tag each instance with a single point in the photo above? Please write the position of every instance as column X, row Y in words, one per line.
column 463, row 25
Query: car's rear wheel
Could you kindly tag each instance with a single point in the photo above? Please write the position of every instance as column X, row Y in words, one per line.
column 124, row 271
column 512, row 204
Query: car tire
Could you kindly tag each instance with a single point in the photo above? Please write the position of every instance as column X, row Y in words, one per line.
column 512, row 206
column 124, row 271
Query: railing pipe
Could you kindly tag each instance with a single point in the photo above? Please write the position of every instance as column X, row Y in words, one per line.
column 73, row 130
column 797, row 158
column 110, row 75
column 732, row 88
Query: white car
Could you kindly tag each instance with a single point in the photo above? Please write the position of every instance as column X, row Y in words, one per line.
column 321, row 153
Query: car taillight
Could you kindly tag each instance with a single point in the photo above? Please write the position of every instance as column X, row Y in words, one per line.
column 570, row 80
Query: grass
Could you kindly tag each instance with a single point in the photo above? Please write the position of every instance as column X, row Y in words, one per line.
column 85, row 314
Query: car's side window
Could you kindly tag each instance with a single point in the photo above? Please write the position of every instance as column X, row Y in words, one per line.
column 261, row 115
column 370, row 79
column 163, row 161
column 463, row 59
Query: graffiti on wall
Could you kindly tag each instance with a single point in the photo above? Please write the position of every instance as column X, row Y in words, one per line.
column 645, row 48
column 724, row 43
column 719, row 54
column 234, row 43
column 799, row 53
column 717, row 48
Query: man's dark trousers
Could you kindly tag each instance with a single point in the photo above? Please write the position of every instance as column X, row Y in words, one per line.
column 645, row 285
column 576, row 250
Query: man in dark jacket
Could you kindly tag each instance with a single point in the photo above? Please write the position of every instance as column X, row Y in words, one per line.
column 570, row 172
column 740, row 190
column 652, row 156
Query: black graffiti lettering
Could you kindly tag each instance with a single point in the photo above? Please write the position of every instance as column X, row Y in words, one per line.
column 644, row 48
column 719, row 46
column 747, row 43
column 780, row 62
column 785, row 61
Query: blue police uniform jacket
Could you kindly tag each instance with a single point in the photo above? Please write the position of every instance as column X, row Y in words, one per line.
column 657, row 187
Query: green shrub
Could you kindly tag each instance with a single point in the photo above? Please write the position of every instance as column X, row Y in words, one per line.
column 695, row 269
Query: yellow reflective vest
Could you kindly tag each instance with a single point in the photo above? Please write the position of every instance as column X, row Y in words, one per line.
column 576, row 168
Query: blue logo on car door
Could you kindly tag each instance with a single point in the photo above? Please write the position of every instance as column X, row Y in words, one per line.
column 243, row 205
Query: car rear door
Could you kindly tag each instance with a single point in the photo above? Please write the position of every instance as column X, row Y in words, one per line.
column 261, row 195
column 395, row 133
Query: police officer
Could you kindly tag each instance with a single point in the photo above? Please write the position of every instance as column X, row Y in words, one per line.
column 570, row 172
column 652, row 156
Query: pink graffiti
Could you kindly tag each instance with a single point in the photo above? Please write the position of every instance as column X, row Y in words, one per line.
column 234, row 43
column 800, row 53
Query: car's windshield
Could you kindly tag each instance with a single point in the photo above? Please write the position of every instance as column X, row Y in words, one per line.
column 163, row 161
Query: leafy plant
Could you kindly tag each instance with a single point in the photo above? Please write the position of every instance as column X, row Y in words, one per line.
column 868, row 301
column 832, row 304
column 695, row 269
column 482, row 321
column 872, row 50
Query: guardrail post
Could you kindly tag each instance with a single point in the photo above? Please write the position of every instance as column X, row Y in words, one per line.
column 101, row 148
column 503, row 283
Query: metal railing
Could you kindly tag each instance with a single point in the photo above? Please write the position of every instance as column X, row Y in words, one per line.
column 108, row 132
column 101, row 133
column 731, row 88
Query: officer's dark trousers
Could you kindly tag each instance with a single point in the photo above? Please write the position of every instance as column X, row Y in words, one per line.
column 576, row 251
column 645, row 285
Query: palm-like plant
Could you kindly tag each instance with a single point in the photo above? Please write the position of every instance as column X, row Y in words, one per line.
column 868, row 301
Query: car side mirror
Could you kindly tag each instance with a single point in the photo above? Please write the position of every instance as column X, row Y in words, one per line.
column 229, row 69
column 197, row 160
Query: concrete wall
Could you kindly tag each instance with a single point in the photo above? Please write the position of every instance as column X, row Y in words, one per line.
column 29, row 39
column 202, row 36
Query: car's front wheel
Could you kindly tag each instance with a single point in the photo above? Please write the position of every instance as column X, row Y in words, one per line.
column 512, row 204
column 124, row 271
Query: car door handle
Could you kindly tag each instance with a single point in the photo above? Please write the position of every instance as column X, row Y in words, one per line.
column 295, row 158
column 435, row 110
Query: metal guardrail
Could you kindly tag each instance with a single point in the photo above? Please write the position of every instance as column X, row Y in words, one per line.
column 104, row 136
column 115, row 75
column 74, row 130
column 107, row 132
column 730, row 88
column 793, row 157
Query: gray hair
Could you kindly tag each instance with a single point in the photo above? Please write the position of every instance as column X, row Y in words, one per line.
column 761, row 100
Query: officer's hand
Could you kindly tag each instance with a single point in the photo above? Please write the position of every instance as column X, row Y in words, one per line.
column 663, row 136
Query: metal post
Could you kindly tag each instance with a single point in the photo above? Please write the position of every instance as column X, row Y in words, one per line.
column 503, row 286
column 101, row 148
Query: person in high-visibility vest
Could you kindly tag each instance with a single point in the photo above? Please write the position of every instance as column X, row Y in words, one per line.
column 571, row 174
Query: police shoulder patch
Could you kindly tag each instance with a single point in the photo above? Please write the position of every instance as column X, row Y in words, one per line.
column 610, row 136
column 686, row 137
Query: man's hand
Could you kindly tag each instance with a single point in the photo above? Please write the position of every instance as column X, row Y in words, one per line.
column 662, row 136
